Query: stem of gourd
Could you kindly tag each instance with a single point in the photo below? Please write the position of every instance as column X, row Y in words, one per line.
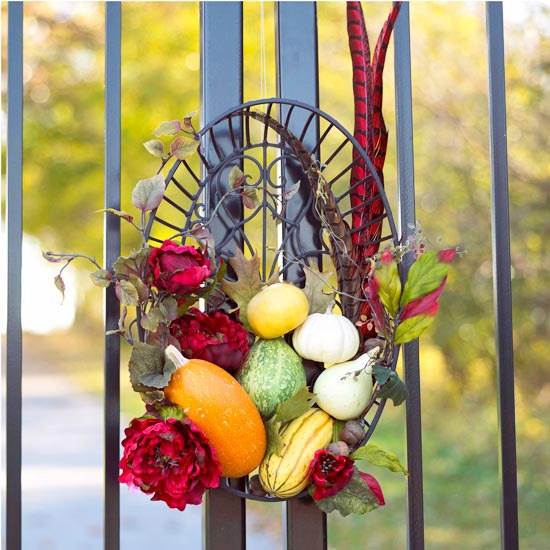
column 174, row 354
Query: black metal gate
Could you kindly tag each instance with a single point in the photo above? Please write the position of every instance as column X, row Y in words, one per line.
column 221, row 88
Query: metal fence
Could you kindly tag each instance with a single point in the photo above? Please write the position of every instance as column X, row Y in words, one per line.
column 221, row 88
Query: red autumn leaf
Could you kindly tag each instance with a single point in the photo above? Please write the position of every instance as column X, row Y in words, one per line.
column 425, row 275
column 376, row 306
column 387, row 275
column 413, row 327
column 446, row 256
column 424, row 304
column 386, row 257
column 374, row 486
column 250, row 198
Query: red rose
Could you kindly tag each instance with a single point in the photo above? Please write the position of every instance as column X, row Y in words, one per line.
column 213, row 336
column 329, row 473
column 178, row 269
column 170, row 459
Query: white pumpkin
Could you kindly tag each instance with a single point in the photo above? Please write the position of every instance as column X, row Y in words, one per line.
column 326, row 337
column 344, row 390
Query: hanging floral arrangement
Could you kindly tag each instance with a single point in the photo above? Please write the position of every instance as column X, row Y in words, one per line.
column 228, row 390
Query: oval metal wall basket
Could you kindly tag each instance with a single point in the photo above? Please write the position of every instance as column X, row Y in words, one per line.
column 278, row 144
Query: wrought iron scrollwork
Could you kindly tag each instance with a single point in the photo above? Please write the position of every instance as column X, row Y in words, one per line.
column 281, row 146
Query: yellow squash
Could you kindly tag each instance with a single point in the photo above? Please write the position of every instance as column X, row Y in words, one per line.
column 276, row 310
column 286, row 475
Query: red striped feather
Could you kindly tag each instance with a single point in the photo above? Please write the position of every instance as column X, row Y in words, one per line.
column 370, row 132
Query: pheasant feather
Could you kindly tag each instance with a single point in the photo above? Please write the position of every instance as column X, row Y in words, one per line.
column 371, row 134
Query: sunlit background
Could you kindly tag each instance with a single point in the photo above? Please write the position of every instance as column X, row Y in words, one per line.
column 63, row 187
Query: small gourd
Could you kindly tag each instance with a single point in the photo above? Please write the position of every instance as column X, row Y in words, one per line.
column 271, row 373
column 220, row 407
column 276, row 310
column 344, row 390
column 285, row 474
column 326, row 337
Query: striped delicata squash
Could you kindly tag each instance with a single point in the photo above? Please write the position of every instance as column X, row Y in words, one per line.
column 286, row 474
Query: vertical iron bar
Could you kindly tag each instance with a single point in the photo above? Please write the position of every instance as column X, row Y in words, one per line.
column 221, row 88
column 14, row 218
column 298, row 78
column 297, row 56
column 502, row 288
column 111, row 253
column 305, row 525
column 407, row 219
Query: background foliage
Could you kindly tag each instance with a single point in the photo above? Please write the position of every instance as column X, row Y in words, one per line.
column 63, row 127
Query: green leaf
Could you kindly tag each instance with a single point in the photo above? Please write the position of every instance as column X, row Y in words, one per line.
column 381, row 374
column 337, row 427
column 151, row 396
column 168, row 128
column 101, row 277
column 149, row 368
column 185, row 302
column 167, row 410
column 390, row 286
column 124, row 266
column 248, row 282
column 394, row 389
column 134, row 264
column 155, row 147
column 148, row 193
column 187, row 120
column 212, row 285
column 159, row 379
column 379, row 457
column 141, row 287
column 236, row 177
column 425, row 275
column 60, row 285
column 313, row 289
column 288, row 410
column 274, row 441
column 354, row 498
column 169, row 309
column 295, row 406
column 204, row 236
column 249, row 197
column 119, row 213
column 412, row 328
column 51, row 257
column 291, row 190
column 127, row 293
column 151, row 320
column 183, row 147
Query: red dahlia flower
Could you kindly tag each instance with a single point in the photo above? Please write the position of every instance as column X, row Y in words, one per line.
column 213, row 336
column 329, row 473
column 178, row 269
column 170, row 459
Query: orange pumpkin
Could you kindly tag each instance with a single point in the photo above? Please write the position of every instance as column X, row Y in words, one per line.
column 221, row 408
